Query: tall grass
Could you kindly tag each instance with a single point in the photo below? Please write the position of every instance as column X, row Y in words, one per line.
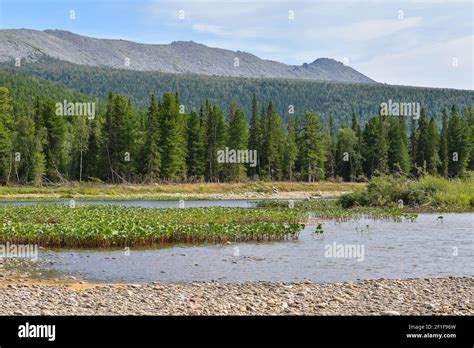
column 427, row 193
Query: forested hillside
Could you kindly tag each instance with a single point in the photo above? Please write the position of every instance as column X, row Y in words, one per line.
column 40, row 143
column 338, row 100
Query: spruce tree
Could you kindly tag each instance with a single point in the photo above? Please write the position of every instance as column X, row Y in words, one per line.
column 331, row 162
column 432, row 150
column 151, row 152
column 274, row 144
column 215, row 141
column 173, row 139
column 255, row 136
column 346, row 154
column 458, row 144
column 56, row 135
column 313, row 148
column 443, row 146
column 291, row 150
column 375, row 147
column 237, row 140
column 6, row 132
column 398, row 156
column 195, row 154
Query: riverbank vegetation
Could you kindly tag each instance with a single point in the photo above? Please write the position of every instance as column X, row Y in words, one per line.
column 428, row 193
column 98, row 191
column 116, row 226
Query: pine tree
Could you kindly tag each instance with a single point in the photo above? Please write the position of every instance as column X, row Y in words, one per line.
column 173, row 139
column 215, row 141
column 413, row 143
column 398, row 157
column 313, row 148
column 332, row 147
column 274, row 144
column 91, row 161
column 421, row 143
column 6, row 132
column 291, row 150
column 237, row 140
column 433, row 145
column 55, row 151
column 119, row 146
column 458, row 144
column 357, row 158
column 375, row 147
column 346, row 154
column 195, row 153
column 255, row 136
column 469, row 117
column 151, row 152
column 443, row 146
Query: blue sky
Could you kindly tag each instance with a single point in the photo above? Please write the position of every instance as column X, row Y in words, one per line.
column 409, row 42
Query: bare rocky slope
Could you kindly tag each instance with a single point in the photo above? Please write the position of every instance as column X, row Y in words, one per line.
column 177, row 57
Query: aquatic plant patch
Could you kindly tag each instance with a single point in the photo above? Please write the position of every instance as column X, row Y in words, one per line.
column 107, row 226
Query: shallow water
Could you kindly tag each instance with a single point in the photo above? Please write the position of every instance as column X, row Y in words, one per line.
column 386, row 249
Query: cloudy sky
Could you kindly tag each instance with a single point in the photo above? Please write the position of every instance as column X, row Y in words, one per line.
column 405, row 42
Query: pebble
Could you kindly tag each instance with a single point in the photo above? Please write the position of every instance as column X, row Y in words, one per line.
column 440, row 296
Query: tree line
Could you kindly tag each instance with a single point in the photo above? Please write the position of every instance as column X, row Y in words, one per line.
column 168, row 143
column 322, row 97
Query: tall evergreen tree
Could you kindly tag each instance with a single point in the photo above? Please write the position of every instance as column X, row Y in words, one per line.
column 331, row 161
column 215, row 141
column 195, row 153
column 80, row 138
column 151, row 152
column 291, row 150
column 255, row 135
column 458, row 144
column 173, row 139
column 55, row 150
column 469, row 117
column 237, row 140
column 433, row 145
column 426, row 145
column 6, row 132
column 118, row 145
column 274, row 144
column 346, row 154
column 398, row 156
column 313, row 148
column 92, row 159
column 357, row 158
column 375, row 147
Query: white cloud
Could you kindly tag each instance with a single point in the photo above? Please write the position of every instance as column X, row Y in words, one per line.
column 429, row 65
column 221, row 31
column 374, row 29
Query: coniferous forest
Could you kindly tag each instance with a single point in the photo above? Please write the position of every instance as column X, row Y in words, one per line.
column 168, row 143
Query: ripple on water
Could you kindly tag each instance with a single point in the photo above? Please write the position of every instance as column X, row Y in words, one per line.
column 425, row 248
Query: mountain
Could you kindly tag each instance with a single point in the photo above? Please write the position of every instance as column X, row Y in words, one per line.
column 181, row 57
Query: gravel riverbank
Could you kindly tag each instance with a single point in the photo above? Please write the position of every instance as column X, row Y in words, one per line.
column 438, row 296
